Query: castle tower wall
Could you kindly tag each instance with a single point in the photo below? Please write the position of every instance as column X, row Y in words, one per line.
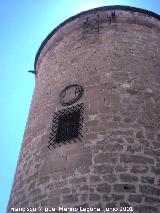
column 114, row 54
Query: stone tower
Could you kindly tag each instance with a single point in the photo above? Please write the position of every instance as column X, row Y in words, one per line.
column 93, row 134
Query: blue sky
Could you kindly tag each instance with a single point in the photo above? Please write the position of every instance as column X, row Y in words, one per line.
column 24, row 25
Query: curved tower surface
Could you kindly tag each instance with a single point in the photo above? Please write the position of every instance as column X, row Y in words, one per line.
column 93, row 133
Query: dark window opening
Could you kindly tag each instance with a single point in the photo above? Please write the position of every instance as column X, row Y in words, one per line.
column 66, row 126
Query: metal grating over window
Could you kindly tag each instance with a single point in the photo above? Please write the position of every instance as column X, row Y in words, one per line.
column 66, row 126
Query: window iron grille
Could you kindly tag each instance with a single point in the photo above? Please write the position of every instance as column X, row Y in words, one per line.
column 66, row 126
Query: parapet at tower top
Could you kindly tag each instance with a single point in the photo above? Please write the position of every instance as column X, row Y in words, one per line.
column 98, row 9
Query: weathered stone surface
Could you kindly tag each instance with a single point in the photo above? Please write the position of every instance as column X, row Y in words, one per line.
column 52, row 166
column 133, row 149
column 84, row 188
column 95, row 179
column 143, row 142
column 70, row 199
column 152, row 152
column 124, row 206
column 35, row 192
column 106, row 198
column 77, row 180
column 110, row 147
column 103, row 169
column 139, row 134
column 43, row 179
column 54, row 201
column 117, row 197
column 66, row 190
column 57, row 184
column 39, row 197
column 135, row 198
column 150, row 190
column 152, row 200
column 146, row 209
column 135, row 159
column 110, row 206
column 155, row 170
column 139, row 169
column 124, row 188
column 84, row 197
column 78, row 160
column 105, row 157
column 103, row 188
column 111, row 178
column 128, row 178
column 121, row 168
column 130, row 140
column 83, row 169
column 147, row 180
column 94, row 197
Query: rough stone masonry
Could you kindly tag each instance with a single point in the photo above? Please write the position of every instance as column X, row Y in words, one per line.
column 114, row 54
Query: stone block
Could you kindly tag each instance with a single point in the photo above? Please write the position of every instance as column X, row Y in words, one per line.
column 129, row 140
column 117, row 197
column 90, row 136
column 124, row 158
column 110, row 206
column 54, row 201
column 106, row 197
column 43, row 179
column 35, row 192
column 152, row 200
column 56, row 184
column 139, row 134
column 103, row 169
column 143, row 142
column 52, row 166
column 147, row 180
column 84, row 188
column 121, row 168
column 32, row 178
column 84, row 197
column 69, row 199
column 152, row 152
column 106, row 158
column 124, row 188
column 155, row 170
column 66, row 190
column 117, row 140
column 123, row 133
column 133, row 149
column 103, row 188
column 128, row 178
column 94, row 197
column 114, row 147
column 38, row 198
column 77, row 180
column 150, row 190
column 77, row 160
column 142, row 169
column 94, row 179
column 146, row 209
column 135, row 198
column 83, row 169
column 111, row 178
